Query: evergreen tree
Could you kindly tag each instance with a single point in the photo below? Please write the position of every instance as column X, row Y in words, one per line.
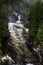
column 36, row 21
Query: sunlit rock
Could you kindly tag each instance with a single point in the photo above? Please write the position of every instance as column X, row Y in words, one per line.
column 7, row 58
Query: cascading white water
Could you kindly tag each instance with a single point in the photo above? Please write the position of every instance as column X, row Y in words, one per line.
column 16, row 29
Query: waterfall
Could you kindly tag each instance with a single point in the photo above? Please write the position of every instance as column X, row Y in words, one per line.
column 18, row 34
column 16, row 29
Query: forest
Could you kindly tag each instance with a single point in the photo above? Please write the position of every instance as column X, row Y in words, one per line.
column 32, row 12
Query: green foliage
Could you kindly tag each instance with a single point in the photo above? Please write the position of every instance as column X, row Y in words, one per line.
column 36, row 18
column 3, row 30
column 40, row 34
column 2, row 25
